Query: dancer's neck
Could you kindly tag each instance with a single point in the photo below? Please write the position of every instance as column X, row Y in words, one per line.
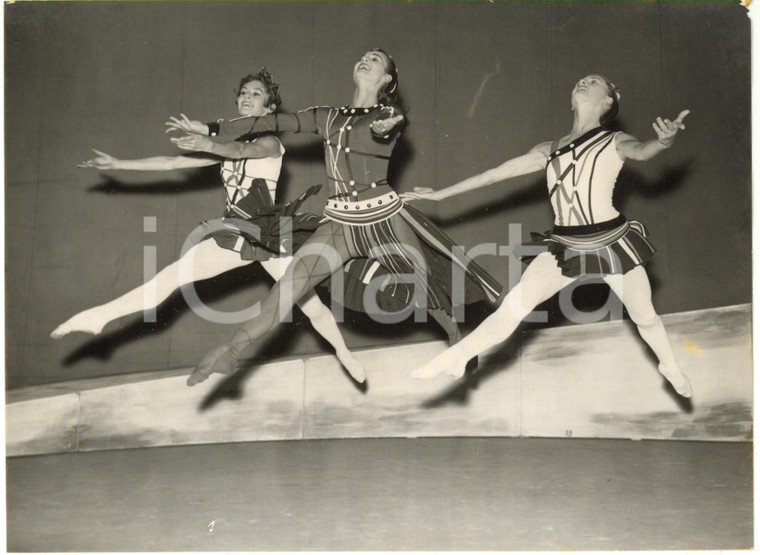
column 582, row 124
column 364, row 98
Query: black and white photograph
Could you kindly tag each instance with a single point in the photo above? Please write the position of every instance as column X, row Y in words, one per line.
column 378, row 276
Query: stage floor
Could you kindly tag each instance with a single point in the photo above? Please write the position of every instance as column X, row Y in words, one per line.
column 386, row 494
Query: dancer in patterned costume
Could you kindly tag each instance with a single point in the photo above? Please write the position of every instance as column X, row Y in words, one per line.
column 363, row 218
column 589, row 236
column 250, row 168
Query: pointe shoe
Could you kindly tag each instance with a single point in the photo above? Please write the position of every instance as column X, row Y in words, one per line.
column 433, row 368
column 678, row 380
column 354, row 368
column 82, row 322
column 220, row 360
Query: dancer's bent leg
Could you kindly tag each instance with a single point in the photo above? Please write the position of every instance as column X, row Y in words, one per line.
column 541, row 280
column 322, row 319
column 320, row 256
column 203, row 261
column 634, row 290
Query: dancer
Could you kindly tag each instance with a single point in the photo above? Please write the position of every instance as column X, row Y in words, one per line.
column 250, row 168
column 363, row 218
column 589, row 237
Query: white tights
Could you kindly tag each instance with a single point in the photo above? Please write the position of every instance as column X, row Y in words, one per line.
column 541, row 280
column 203, row 261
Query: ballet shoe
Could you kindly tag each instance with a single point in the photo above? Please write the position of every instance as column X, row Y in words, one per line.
column 354, row 368
column 218, row 361
column 678, row 380
column 434, row 368
column 82, row 322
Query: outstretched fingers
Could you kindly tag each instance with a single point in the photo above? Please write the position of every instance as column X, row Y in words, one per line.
column 182, row 123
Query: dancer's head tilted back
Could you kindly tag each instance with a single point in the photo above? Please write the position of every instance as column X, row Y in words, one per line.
column 597, row 92
column 376, row 70
column 258, row 94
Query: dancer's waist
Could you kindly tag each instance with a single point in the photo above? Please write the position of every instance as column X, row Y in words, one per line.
column 589, row 229
column 591, row 236
column 363, row 209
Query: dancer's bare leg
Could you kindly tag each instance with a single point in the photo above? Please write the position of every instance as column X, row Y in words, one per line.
column 203, row 261
column 635, row 291
column 318, row 258
column 541, row 280
column 322, row 319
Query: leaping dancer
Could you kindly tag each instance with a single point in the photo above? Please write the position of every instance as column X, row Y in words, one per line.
column 250, row 168
column 589, row 237
column 363, row 218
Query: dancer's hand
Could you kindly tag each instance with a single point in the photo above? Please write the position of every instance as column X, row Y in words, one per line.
column 384, row 126
column 194, row 142
column 186, row 125
column 102, row 161
column 666, row 130
column 421, row 193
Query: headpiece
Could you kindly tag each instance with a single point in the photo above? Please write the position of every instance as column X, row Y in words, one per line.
column 266, row 78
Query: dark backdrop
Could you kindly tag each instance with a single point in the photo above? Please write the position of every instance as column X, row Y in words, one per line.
column 482, row 82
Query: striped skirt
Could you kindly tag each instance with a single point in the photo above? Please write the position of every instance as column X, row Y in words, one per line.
column 443, row 272
column 612, row 247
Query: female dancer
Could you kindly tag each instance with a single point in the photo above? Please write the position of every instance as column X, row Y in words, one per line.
column 364, row 217
column 250, row 168
column 589, row 236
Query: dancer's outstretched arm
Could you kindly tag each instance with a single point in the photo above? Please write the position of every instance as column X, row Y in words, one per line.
column 532, row 161
column 305, row 121
column 263, row 147
column 630, row 147
column 103, row 161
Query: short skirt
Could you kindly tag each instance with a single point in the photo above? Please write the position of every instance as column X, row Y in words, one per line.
column 281, row 228
column 612, row 247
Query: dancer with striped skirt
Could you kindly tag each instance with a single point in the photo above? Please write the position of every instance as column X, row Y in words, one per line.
column 249, row 232
column 364, row 217
column 589, row 236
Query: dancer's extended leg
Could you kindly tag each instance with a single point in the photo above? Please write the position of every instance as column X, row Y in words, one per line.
column 318, row 258
column 634, row 290
column 322, row 319
column 541, row 280
column 203, row 261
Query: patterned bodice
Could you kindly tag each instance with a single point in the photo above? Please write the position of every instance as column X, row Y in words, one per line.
column 581, row 178
column 356, row 159
column 238, row 176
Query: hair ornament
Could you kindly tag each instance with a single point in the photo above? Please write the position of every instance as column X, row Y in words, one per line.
column 266, row 78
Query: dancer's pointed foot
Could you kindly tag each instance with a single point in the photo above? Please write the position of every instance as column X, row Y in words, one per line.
column 355, row 368
column 86, row 322
column 677, row 379
column 221, row 360
column 440, row 365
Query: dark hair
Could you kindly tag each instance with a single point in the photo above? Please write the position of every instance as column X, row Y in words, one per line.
column 272, row 88
column 388, row 93
column 609, row 116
